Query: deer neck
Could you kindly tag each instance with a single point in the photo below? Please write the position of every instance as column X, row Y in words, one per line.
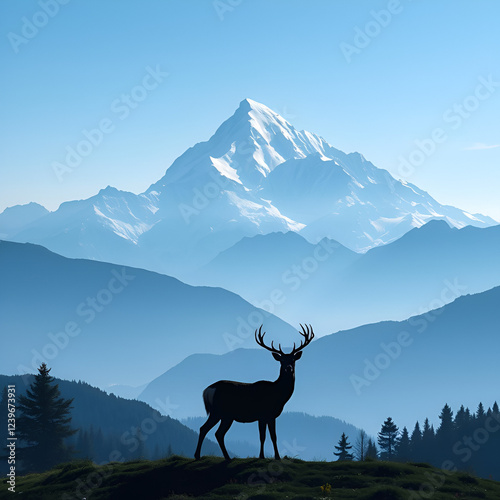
column 285, row 385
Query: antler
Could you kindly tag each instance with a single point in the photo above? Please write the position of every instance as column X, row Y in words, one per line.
column 308, row 335
column 259, row 338
column 306, row 332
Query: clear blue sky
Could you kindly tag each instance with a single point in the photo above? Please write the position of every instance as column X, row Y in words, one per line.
column 287, row 54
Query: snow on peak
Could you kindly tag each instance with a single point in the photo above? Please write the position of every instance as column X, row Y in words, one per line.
column 222, row 165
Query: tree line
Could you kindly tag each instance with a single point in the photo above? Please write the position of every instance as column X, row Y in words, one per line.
column 467, row 441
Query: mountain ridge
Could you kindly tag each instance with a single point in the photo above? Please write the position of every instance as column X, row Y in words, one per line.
column 341, row 289
column 69, row 312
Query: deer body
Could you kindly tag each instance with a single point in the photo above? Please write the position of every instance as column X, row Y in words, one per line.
column 227, row 401
column 259, row 400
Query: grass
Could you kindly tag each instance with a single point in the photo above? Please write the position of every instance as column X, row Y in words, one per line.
column 212, row 478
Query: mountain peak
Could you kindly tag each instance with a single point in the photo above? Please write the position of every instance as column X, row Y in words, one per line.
column 249, row 105
column 436, row 225
column 246, row 104
column 12, row 219
column 109, row 190
column 261, row 117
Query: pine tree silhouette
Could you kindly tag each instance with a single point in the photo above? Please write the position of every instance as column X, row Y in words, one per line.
column 403, row 451
column 480, row 411
column 445, row 435
column 416, row 443
column 371, row 450
column 428, row 444
column 343, row 449
column 44, row 423
column 387, row 439
column 462, row 421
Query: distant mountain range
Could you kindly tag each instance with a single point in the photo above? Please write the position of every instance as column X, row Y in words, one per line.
column 109, row 324
column 256, row 175
column 407, row 370
column 337, row 288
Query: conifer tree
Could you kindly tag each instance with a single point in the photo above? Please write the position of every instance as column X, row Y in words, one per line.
column 387, row 439
column 416, row 443
column 446, row 417
column 44, row 423
column 371, row 450
column 428, row 442
column 480, row 412
column 462, row 421
column 445, row 435
column 343, row 449
column 403, row 451
column 495, row 408
column 427, row 432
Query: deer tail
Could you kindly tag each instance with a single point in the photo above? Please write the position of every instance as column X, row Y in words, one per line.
column 208, row 398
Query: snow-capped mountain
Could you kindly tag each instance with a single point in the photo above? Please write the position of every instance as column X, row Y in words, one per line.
column 257, row 174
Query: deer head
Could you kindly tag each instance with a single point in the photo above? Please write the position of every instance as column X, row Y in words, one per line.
column 287, row 360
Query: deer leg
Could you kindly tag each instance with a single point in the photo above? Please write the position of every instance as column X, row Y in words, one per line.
column 262, row 433
column 221, row 432
column 272, row 431
column 211, row 422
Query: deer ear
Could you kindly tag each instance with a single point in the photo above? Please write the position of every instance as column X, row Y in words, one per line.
column 298, row 355
column 277, row 356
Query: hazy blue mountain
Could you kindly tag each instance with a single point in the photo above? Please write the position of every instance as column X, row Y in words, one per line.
column 13, row 219
column 405, row 370
column 283, row 273
column 337, row 288
column 257, row 174
column 425, row 269
column 299, row 435
column 110, row 324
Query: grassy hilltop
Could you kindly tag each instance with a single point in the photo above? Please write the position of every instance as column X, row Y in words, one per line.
column 212, row 478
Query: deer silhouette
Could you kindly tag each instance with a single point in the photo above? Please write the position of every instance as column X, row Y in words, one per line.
column 263, row 401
